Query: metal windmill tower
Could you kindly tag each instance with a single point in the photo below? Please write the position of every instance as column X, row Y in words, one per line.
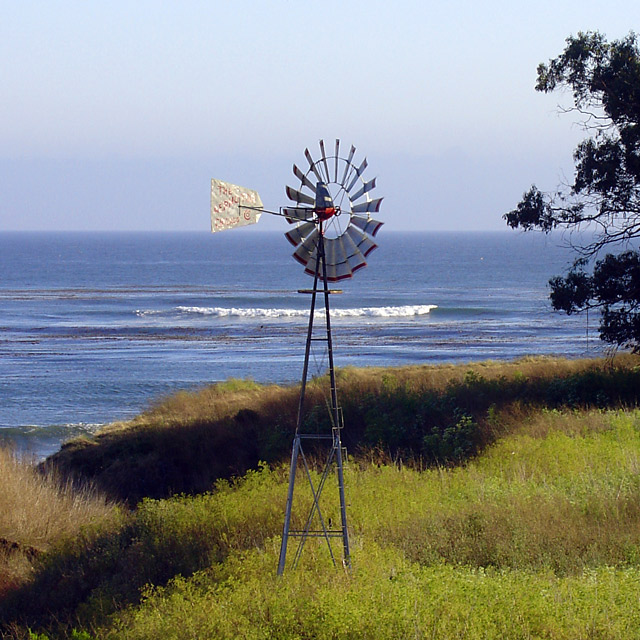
column 331, row 209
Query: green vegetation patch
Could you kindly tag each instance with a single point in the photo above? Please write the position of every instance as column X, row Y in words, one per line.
column 537, row 536
column 387, row 597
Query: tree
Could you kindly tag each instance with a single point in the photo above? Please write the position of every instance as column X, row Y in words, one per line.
column 604, row 78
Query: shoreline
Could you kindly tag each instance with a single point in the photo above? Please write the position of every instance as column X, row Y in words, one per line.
column 41, row 442
column 188, row 441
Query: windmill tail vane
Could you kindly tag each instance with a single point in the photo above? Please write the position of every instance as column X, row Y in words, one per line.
column 332, row 234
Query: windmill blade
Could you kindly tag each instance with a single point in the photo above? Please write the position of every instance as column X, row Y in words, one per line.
column 368, row 225
column 297, row 235
column 342, row 271
column 298, row 196
column 337, row 265
column 356, row 262
column 312, row 165
column 371, row 206
column 307, row 249
column 324, row 161
column 364, row 243
column 338, row 272
column 334, row 272
column 365, row 188
column 355, row 259
column 312, row 263
column 329, row 259
column 303, row 179
column 350, row 248
column 336, row 257
column 349, row 159
column 359, row 172
column 332, row 251
column 346, row 252
column 297, row 214
column 330, row 271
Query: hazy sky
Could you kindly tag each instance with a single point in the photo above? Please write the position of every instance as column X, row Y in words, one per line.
column 115, row 115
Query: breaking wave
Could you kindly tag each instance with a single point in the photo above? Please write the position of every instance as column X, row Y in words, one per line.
column 40, row 441
column 405, row 311
column 360, row 312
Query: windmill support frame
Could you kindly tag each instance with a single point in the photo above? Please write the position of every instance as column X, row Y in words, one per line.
column 333, row 235
column 335, row 453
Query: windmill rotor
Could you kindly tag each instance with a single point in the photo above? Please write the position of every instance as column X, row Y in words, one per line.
column 332, row 200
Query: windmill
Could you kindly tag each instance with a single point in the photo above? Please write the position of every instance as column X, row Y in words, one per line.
column 331, row 209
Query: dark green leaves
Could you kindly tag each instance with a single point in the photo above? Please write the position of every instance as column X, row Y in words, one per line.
column 604, row 80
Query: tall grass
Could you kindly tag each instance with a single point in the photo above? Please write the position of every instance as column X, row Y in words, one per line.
column 387, row 598
column 484, row 478
column 565, row 501
column 36, row 512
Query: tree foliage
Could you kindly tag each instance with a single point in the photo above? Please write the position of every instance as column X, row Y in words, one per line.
column 604, row 79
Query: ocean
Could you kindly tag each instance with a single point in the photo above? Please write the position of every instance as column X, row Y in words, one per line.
column 96, row 327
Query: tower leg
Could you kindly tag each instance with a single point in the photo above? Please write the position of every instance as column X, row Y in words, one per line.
column 346, row 554
column 287, row 516
column 337, row 418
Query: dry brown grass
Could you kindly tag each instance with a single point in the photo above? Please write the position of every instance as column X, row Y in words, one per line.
column 225, row 399
column 36, row 511
column 437, row 377
column 215, row 402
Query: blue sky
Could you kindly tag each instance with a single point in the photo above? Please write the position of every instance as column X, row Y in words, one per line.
column 115, row 115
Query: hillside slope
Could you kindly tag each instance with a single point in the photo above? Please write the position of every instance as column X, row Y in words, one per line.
column 434, row 414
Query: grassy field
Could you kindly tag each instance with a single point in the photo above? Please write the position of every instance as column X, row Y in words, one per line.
column 533, row 531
